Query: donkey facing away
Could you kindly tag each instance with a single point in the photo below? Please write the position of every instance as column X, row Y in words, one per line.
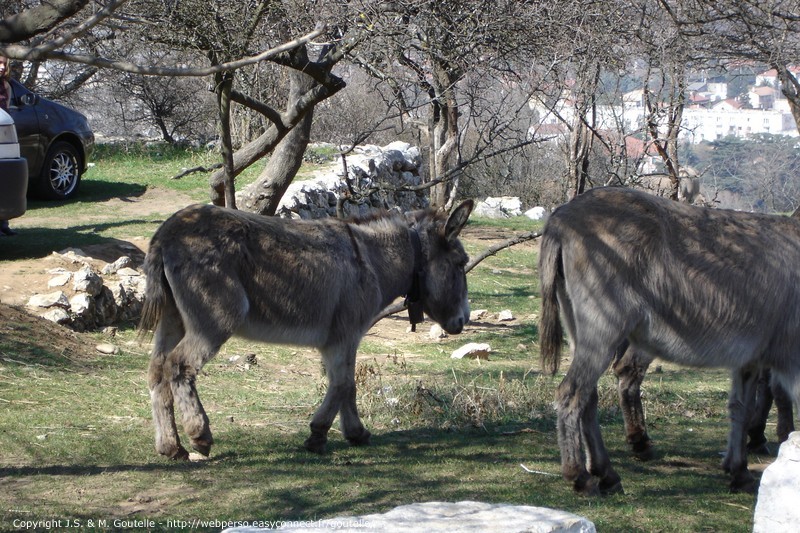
column 213, row 273
column 696, row 286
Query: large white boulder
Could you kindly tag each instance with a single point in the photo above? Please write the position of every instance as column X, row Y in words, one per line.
column 444, row 517
column 499, row 207
column 778, row 505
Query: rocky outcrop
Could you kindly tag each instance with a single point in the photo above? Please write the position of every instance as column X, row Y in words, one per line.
column 441, row 517
column 85, row 297
column 377, row 178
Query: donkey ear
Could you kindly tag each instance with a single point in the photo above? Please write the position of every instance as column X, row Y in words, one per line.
column 458, row 219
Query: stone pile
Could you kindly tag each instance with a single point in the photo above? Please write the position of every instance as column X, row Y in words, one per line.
column 374, row 177
column 84, row 298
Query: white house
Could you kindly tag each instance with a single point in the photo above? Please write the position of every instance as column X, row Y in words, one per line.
column 729, row 118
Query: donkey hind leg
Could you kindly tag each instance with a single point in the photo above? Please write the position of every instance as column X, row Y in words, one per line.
column 598, row 461
column 630, row 367
column 743, row 385
column 167, row 335
column 756, row 438
column 575, row 395
column 184, row 362
column 339, row 361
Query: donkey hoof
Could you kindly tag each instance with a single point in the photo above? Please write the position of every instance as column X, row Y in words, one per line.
column 744, row 482
column 642, row 449
column 611, row 485
column 315, row 444
column 180, row 454
column 202, row 447
column 587, row 486
column 361, row 440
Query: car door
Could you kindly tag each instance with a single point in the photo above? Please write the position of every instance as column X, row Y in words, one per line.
column 26, row 119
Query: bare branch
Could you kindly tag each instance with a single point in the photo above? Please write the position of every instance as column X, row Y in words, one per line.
column 40, row 53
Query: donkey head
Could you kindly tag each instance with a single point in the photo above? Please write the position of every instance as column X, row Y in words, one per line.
column 444, row 281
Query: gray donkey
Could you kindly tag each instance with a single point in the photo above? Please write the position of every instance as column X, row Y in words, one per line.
column 213, row 273
column 699, row 287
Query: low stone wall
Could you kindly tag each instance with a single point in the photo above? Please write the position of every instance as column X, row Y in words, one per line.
column 374, row 173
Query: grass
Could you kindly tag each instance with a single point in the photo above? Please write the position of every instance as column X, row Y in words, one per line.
column 76, row 436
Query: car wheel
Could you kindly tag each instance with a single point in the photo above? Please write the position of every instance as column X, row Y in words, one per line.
column 61, row 172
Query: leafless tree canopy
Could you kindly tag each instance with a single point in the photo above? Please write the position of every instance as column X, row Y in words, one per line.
column 467, row 80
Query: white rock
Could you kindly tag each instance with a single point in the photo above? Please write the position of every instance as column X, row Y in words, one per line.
column 122, row 262
column 473, row 350
column 536, row 213
column 86, row 280
column 477, row 314
column 53, row 299
column 81, row 303
column 127, row 271
column 500, row 207
column 777, row 506
column 446, row 517
column 57, row 315
column 505, row 316
column 437, row 332
column 108, row 349
column 60, row 280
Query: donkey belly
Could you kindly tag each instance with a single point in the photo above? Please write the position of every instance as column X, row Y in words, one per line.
column 284, row 333
column 700, row 348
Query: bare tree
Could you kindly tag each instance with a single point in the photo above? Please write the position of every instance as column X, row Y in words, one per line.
column 226, row 37
column 427, row 53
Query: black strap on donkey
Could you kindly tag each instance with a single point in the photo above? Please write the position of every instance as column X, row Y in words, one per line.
column 416, row 294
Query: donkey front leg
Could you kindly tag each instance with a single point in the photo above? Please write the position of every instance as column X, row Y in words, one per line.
column 340, row 363
column 742, row 396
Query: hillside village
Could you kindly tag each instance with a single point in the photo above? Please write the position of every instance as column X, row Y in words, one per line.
column 709, row 115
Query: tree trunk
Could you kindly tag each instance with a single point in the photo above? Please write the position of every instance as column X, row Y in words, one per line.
column 790, row 88
column 445, row 137
column 264, row 195
column 224, row 82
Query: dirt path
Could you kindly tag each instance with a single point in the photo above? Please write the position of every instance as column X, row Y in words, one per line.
column 21, row 279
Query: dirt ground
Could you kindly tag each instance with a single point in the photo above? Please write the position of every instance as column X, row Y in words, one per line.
column 19, row 280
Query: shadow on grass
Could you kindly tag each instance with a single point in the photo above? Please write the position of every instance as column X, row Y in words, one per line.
column 36, row 243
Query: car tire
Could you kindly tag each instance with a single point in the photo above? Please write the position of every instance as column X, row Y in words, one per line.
column 61, row 172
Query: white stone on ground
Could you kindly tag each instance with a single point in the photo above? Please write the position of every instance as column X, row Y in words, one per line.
column 472, row 350
column 441, row 517
column 777, row 508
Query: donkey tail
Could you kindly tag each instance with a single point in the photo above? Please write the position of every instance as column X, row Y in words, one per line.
column 156, row 293
column 551, row 333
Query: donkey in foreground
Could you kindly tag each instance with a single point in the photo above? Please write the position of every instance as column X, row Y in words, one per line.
column 213, row 273
column 699, row 287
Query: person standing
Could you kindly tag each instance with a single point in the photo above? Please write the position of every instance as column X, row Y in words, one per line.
column 5, row 96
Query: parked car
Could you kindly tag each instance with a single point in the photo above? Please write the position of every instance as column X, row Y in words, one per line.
column 13, row 171
column 56, row 140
